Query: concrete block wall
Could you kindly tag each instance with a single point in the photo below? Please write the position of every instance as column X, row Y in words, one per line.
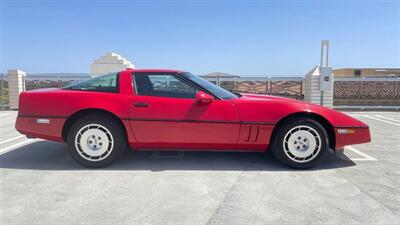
column 108, row 63
column 16, row 85
column 312, row 91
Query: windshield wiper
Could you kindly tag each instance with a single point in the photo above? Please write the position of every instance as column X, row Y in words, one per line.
column 237, row 94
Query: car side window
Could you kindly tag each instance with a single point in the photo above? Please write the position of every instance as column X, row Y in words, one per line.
column 105, row 83
column 163, row 85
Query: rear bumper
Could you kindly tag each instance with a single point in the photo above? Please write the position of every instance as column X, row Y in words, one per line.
column 351, row 136
column 40, row 127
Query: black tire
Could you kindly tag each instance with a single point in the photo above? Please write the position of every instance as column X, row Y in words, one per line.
column 280, row 147
column 111, row 129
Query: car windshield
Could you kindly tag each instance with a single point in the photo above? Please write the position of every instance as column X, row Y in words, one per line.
column 212, row 88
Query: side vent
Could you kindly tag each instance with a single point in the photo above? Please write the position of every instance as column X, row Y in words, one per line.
column 257, row 134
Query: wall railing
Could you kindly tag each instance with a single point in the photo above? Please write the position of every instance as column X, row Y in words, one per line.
column 348, row 91
column 366, row 91
column 286, row 86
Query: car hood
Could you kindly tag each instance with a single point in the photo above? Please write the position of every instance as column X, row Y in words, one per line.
column 271, row 109
column 259, row 97
column 266, row 100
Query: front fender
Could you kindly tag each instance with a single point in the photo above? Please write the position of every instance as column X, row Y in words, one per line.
column 348, row 130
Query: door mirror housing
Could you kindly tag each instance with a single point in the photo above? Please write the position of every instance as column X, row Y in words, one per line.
column 204, row 98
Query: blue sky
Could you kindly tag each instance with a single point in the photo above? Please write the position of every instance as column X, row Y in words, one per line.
column 239, row 37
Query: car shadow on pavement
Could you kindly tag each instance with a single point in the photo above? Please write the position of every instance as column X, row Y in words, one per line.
column 46, row 155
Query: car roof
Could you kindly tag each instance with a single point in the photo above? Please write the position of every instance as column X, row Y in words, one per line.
column 155, row 70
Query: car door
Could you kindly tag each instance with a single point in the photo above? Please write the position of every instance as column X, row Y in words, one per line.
column 165, row 114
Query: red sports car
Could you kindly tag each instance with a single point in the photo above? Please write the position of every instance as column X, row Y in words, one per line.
column 168, row 109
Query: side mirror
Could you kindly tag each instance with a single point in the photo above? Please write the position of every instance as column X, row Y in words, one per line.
column 204, row 98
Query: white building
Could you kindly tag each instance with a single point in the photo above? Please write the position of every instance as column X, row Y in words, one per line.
column 110, row 62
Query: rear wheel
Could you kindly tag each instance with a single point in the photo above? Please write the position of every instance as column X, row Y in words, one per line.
column 96, row 140
column 300, row 143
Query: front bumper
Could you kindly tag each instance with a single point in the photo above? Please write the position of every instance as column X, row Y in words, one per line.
column 351, row 136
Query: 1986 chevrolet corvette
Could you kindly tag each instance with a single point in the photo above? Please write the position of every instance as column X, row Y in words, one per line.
column 168, row 109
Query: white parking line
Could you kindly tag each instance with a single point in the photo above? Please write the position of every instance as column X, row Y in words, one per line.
column 11, row 139
column 365, row 156
column 354, row 115
column 10, row 148
column 387, row 118
column 4, row 114
column 385, row 121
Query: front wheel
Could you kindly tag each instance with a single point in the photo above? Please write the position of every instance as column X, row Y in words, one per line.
column 300, row 143
column 96, row 140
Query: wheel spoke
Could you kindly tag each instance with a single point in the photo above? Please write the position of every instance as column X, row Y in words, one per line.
column 94, row 142
column 302, row 143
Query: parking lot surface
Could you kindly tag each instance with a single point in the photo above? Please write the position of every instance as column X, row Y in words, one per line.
column 41, row 184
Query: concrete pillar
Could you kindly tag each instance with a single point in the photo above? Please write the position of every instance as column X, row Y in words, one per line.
column 16, row 84
column 312, row 91
column 108, row 63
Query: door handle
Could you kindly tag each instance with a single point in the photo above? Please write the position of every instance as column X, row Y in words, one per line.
column 141, row 104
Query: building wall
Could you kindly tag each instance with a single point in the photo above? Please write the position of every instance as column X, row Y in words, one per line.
column 312, row 91
column 367, row 72
column 108, row 63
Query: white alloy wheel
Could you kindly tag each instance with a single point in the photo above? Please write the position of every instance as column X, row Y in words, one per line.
column 302, row 144
column 94, row 142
